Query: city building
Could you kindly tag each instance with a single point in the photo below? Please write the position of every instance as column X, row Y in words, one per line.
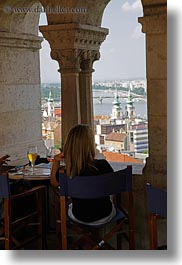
column 51, row 123
column 102, row 130
column 124, row 133
column 116, row 141
column 138, row 138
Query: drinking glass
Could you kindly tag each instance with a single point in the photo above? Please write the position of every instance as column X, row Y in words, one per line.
column 32, row 155
column 50, row 154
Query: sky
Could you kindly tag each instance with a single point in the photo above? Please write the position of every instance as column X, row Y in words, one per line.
column 123, row 51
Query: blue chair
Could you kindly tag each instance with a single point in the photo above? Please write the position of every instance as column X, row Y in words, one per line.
column 13, row 226
column 90, row 187
column 157, row 208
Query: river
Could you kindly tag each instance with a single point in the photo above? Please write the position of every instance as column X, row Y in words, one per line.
column 106, row 107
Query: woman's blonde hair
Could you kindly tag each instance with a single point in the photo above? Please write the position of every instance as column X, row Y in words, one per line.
column 79, row 149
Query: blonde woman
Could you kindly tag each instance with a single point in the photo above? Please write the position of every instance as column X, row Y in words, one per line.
column 79, row 158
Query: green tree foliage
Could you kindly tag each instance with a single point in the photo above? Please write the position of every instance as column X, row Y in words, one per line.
column 56, row 90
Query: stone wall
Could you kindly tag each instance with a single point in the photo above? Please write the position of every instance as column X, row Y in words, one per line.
column 20, row 108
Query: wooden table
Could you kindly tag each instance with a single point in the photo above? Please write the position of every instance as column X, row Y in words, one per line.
column 41, row 173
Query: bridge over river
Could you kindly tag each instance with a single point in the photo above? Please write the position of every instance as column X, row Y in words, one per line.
column 122, row 95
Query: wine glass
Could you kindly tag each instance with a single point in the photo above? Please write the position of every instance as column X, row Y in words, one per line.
column 32, row 155
column 50, row 154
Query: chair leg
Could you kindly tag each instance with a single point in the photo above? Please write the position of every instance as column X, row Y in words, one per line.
column 131, row 240
column 7, row 226
column 63, row 223
column 153, row 231
column 42, row 226
column 56, row 206
column 7, row 244
column 58, row 234
column 108, row 235
column 41, row 232
column 40, row 243
column 119, row 240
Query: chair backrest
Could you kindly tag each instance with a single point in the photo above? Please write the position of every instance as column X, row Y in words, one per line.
column 157, row 200
column 89, row 187
column 18, row 214
column 4, row 187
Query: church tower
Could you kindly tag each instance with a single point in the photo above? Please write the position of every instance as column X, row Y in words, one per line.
column 130, row 116
column 130, row 109
column 50, row 106
column 116, row 109
column 50, row 116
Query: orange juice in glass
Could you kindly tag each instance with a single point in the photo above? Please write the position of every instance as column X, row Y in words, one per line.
column 32, row 155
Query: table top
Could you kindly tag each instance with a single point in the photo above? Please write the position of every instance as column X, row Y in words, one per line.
column 41, row 172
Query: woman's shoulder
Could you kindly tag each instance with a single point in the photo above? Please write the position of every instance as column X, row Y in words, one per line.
column 103, row 166
column 100, row 162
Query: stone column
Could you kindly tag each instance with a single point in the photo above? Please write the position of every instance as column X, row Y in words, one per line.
column 20, row 107
column 70, row 96
column 155, row 170
column 75, row 47
column 154, row 24
column 86, row 98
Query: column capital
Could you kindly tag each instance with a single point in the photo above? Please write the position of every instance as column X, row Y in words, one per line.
column 74, row 45
column 68, row 59
column 73, row 35
column 154, row 6
column 87, row 59
column 154, row 24
column 154, row 20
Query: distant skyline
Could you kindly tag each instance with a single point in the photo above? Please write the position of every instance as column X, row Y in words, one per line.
column 123, row 51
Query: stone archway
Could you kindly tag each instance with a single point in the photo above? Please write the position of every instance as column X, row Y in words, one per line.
column 75, row 46
column 20, row 71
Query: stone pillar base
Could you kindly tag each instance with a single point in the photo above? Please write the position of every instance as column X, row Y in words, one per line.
column 156, row 173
